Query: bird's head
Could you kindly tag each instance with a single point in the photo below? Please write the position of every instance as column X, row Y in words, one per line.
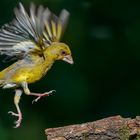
column 60, row 51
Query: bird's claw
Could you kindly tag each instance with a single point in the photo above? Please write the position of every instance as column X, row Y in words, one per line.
column 18, row 122
column 43, row 95
column 13, row 113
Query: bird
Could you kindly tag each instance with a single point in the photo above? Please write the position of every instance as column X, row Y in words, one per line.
column 32, row 42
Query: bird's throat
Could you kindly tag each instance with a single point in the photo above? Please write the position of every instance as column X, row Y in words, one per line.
column 47, row 64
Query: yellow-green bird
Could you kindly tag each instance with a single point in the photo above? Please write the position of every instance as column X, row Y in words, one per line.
column 33, row 40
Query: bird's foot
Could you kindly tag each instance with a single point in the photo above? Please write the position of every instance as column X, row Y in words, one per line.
column 42, row 95
column 18, row 122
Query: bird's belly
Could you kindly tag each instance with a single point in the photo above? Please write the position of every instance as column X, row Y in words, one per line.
column 30, row 76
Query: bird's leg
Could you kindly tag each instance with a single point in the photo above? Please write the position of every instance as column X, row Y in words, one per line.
column 27, row 91
column 16, row 102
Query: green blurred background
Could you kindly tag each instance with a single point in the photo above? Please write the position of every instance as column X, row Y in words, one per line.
column 104, row 36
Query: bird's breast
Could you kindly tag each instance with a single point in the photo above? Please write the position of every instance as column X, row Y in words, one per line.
column 36, row 72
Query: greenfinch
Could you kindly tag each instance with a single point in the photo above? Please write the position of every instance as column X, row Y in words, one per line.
column 32, row 40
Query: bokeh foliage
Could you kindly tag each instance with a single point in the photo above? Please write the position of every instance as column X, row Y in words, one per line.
column 104, row 36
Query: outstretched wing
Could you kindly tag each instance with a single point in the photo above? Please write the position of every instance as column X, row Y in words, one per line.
column 55, row 26
column 31, row 33
column 22, row 35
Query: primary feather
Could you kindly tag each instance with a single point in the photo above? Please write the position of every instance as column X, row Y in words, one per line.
column 31, row 32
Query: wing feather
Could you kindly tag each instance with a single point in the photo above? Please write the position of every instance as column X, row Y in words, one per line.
column 55, row 26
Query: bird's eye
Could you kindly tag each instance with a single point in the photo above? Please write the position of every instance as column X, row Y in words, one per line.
column 63, row 52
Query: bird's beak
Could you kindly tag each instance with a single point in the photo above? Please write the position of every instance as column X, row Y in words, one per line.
column 68, row 59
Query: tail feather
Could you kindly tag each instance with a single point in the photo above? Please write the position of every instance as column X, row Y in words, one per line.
column 2, row 83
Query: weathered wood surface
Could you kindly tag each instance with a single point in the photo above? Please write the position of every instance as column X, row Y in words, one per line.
column 112, row 128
